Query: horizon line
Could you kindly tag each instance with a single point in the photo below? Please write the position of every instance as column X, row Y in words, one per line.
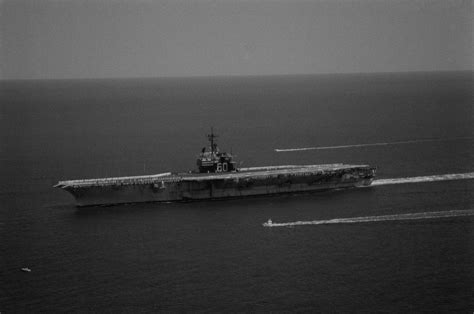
column 232, row 75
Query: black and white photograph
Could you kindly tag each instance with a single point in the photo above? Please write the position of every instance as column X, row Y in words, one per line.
column 236, row 156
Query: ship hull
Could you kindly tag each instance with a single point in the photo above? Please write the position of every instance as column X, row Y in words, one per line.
column 190, row 187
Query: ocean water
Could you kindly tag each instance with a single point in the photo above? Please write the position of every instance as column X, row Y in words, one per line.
column 217, row 256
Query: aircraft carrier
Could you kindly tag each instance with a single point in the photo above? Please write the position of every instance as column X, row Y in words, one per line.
column 217, row 177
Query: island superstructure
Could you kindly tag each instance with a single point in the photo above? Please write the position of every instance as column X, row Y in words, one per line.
column 217, row 177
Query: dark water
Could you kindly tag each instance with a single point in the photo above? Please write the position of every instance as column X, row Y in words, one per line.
column 217, row 256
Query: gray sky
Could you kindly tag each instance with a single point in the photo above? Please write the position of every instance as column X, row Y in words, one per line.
column 144, row 38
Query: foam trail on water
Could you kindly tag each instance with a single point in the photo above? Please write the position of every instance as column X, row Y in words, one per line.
column 441, row 177
column 369, row 144
column 398, row 217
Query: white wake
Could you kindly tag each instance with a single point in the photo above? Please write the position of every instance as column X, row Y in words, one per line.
column 368, row 219
column 369, row 144
column 441, row 177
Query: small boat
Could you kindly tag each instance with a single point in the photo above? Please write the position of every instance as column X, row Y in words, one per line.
column 268, row 223
column 26, row 270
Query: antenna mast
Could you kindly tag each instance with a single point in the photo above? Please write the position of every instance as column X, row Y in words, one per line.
column 211, row 138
